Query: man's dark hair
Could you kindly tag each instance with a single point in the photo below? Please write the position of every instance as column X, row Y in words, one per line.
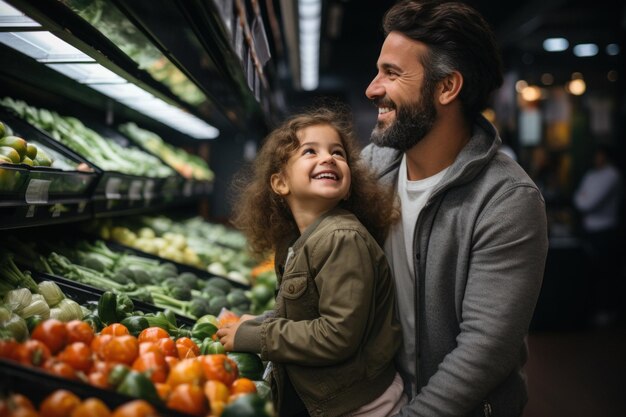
column 458, row 38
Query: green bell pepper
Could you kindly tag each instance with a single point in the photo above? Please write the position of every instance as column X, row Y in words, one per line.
column 138, row 385
column 107, row 308
column 248, row 405
column 94, row 321
column 210, row 346
column 250, row 365
column 117, row 374
column 135, row 324
column 124, row 306
column 203, row 331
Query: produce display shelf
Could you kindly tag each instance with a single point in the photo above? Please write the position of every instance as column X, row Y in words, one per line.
column 36, row 384
column 38, row 195
column 200, row 273
column 82, row 293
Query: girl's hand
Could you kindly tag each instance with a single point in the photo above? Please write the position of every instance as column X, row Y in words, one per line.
column 226, row 333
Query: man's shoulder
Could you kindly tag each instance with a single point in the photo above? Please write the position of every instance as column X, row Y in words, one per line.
column 378, row 157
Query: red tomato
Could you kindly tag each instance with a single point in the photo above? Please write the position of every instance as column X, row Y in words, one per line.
column 187, row 348
column 152, row 334
column 52, row 333
column 115, row 329
column 32, row 352
column 188, row 398
column 219, row 367
column 79, row 331
column 78, row 356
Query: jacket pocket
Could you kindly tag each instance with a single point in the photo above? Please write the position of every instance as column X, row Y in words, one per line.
column 293, row 286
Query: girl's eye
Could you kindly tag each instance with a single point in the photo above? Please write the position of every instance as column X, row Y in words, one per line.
column 308, row 151
column 339, row 152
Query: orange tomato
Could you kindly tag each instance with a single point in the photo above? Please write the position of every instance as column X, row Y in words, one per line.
column 91, row 407
column 121, row 349
column 226, row 317
column 7, row 348
column 145, row 347
column 98, row 379
column 16, row 400
column 188, row 398
column 152, row 334
column 217, row 393
column 153, row 363
column 242, row 386
column 115, row 329
column 135, row 408
column 167, row 346
column 186, row 371
column 79, row 331
column 171, row 361
column 77, row 355
column 99, row 343
column 187, row 348
column 219, row 367
column 52, row 333
column 24, row 412
column 59, row 404
column 59, row 368
column 32, row 352
column 163, row 390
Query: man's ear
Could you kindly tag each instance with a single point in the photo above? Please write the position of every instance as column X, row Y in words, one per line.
column 279, row 185
column 450, row 87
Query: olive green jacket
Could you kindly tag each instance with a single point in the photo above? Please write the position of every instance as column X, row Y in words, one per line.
column 334, row 330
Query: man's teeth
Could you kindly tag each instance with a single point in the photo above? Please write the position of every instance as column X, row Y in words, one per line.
column 326, row 175
column 383, row 110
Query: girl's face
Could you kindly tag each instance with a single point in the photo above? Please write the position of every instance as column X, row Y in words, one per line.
column 317, row 175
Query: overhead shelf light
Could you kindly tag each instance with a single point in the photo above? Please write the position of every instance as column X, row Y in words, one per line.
column 88, row 73
column 583, row 50
column 44, row 47
column 612, row 49
column 13, row 18
column 59, row 55
column 555, row 44
column 310, row 18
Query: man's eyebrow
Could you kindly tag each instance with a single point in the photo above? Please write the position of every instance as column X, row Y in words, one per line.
column 388, row 66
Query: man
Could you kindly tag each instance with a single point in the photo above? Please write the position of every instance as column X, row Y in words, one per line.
column 469, row 252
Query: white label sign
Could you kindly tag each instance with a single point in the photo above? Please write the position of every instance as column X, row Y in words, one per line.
column 112, row 189
column 37, row 191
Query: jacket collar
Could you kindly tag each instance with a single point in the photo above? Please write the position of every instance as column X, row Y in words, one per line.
column 313, row 226
column 473, row 157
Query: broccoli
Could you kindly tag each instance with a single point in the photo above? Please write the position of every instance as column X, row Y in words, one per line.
column 198, row 307
column 190, row 279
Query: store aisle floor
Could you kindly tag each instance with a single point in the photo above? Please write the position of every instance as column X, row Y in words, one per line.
column 577, row 374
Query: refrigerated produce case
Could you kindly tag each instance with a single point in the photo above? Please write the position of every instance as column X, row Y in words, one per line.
column 212, row 69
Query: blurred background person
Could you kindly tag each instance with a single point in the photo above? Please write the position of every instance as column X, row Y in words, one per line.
column 599, row 200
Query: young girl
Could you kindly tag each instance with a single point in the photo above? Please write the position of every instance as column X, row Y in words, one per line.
column 333, row 333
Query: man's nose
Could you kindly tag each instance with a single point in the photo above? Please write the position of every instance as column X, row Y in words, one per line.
column 375, row 89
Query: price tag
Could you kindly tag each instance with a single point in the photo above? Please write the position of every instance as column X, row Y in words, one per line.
column 112, row 189
column 56, row 210
column 260, row 41
column 37, row 191
column 148, row 190
column 30, row 212
column 134, row 191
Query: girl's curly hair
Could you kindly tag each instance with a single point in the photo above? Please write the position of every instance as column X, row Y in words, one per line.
column 264, row 217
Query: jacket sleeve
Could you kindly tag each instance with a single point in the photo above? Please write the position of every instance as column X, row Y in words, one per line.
column 504, row 279
column 345, row 280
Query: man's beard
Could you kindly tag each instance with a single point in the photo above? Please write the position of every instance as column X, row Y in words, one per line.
column 412, row 123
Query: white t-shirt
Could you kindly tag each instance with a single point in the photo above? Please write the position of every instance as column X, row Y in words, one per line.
column 399, row 250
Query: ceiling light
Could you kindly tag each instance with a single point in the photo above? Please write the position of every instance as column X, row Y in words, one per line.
column 531, row 93
column 585, row 50
column 577, row 87
column 310, row 16
column 555, row 44
column 612, row 49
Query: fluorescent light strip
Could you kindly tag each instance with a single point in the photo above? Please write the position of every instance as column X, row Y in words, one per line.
column 71, row 62
column 44, row 47
column 11, row 17
column 310, row 17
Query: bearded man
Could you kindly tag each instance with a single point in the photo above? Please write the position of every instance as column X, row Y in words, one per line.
column 469, row 252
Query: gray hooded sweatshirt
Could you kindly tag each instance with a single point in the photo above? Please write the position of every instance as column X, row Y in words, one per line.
column 479, row 251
